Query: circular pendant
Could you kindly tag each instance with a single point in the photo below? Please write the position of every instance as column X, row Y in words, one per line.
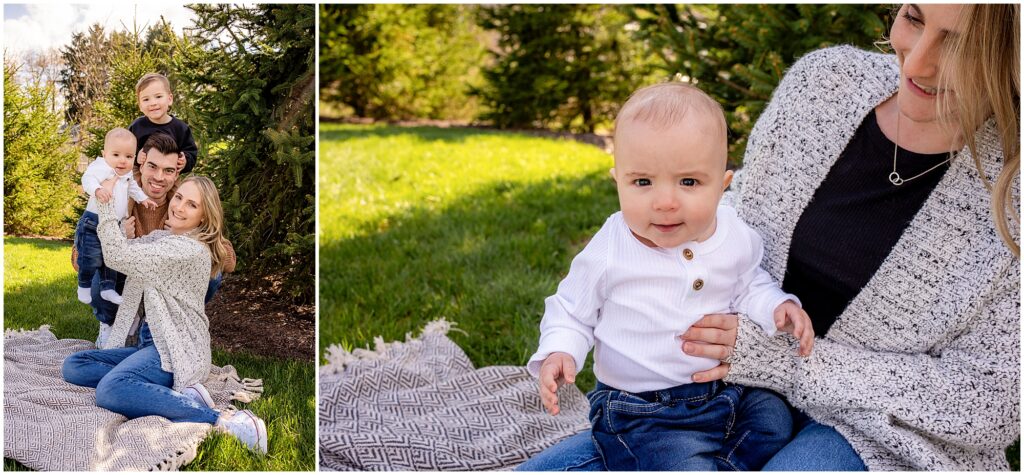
column 895, row 179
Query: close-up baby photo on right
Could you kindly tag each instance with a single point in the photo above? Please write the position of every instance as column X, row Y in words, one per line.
column 669, row 237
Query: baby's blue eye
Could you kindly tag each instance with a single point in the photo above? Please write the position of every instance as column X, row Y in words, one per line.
column 642, row 182
column 688, row 182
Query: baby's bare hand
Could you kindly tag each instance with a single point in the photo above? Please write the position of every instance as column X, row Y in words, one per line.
column 149, row 204
column 792, row 319
column 103, row 195
column 558, row 368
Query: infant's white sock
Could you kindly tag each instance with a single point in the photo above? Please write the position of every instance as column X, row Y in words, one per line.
column 111, row 296
column 85, row 295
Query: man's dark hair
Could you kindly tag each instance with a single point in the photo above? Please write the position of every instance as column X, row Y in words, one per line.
column 163, row 143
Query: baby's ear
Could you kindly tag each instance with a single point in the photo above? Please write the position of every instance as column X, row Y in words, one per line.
column 727, row 180
column 611, row 172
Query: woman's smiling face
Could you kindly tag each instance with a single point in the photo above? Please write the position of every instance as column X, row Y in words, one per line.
column 921, row 35
column 185, row 212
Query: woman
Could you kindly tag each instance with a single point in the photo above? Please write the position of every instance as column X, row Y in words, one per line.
column 909, row 267
column 167, row 276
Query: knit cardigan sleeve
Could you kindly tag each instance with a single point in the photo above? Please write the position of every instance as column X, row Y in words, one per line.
column 925, row 392
column 149, row 258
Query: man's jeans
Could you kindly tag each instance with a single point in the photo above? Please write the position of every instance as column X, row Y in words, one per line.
column 129, row 381
column 692, row 427
column 106, row 311
column 90, row 255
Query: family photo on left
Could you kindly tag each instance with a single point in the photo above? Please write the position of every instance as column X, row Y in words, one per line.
column 159, row 220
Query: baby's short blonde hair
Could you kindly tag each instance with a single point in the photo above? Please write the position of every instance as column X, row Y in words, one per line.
column 668, row 104
column 148, row 78
column 118, row 133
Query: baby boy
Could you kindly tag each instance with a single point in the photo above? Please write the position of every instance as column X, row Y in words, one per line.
column 670, row 256
column 116, row 162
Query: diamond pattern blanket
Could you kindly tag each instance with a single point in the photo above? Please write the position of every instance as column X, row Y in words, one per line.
column 50, row 424
column 421, row 405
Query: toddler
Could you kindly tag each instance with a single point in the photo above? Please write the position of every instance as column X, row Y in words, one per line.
column 669, row 257
column 153, row 91
column 116, row 162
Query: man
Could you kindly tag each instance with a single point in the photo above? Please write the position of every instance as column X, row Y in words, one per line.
column 158, row 176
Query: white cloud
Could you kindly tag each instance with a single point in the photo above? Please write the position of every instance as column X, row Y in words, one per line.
column 37, row 27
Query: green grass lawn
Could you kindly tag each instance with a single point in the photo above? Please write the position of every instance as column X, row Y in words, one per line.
column 475, row 226
column 471, row 225
column 39, row 288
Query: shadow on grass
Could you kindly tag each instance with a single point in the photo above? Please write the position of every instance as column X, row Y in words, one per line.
column 486, row 262
column 422, row 133
column 41, row 243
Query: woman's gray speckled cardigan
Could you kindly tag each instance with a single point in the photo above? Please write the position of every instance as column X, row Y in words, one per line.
column 171, row 273
column 921, row 371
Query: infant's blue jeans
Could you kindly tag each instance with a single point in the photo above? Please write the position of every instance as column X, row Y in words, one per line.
column 90, row 254
column 130, row 382
column 692, row 427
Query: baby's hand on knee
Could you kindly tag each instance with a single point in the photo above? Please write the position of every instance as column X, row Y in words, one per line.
column 558, row 369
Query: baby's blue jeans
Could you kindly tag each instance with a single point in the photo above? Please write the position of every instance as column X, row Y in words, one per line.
column 691, row 427
column 814, row 447
column 90, row 254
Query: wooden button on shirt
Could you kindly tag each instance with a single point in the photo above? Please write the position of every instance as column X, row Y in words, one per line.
column 698, row 284
column 688, row 254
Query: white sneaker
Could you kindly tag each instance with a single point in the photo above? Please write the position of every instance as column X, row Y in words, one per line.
column 85, row 295
column 200, row 394
column 111, row 296
column 103, row 335
column 249, row 429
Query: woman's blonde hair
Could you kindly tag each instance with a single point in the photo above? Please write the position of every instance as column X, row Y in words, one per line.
column 211, row 229
column 984, row 69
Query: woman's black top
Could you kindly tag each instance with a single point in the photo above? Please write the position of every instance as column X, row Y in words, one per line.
column 853, row 222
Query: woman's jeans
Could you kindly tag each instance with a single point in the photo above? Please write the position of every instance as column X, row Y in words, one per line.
column 814, row 447
column 692, row 427
column 129, row 381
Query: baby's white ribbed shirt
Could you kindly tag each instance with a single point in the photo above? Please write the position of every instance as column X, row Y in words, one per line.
column 99, row 171
column 631, row 302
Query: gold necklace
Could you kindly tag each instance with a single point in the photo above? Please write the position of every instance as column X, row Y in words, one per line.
column 894, row 177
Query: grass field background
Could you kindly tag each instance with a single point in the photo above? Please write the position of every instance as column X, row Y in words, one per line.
column 472, row 225
column 39, row 288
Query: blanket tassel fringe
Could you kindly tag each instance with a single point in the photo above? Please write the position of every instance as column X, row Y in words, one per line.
column 338, row 357
column 176, row 461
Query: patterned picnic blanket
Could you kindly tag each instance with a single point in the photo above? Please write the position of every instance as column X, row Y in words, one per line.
column 421, row 405
column 50, row 424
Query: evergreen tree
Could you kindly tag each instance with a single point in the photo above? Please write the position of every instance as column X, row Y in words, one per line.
column 560, row 66
column 249, row 76
column 85, row 74
column 128, row 62
column 39, row 175
column 737, row 53
column 400, row 61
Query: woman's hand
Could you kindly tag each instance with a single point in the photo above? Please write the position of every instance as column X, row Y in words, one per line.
column 106, row 191
column 129, row 227
column 713, row 336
